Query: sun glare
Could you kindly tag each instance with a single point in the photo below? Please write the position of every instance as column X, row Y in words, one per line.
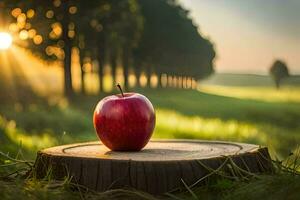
column 5, row 40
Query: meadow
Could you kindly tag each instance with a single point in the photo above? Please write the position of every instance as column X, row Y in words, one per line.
column 257, row 114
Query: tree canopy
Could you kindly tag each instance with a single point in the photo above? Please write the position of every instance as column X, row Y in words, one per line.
column 279, row 71
column 151, row 36
column 171, row 42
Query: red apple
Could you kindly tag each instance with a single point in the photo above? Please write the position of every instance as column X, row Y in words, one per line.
column 124, row 122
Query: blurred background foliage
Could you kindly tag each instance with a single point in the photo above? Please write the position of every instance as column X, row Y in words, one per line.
column 99, row 33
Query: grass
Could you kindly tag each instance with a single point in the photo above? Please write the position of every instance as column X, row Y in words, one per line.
column 256, row 114
column 237, row 184
column 194, row 114
column 183, row 114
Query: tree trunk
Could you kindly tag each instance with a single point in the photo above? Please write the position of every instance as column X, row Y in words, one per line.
column 67, row 71
column 100, row 70
column 126, row 58
column 137, row 71
column 148, row 74
column 82, row 73
column 68, row 89
column 113, row 65
column 179, row 83
column 159, row 84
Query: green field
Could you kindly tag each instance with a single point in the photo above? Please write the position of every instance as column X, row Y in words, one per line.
column 251, row 80
column 180, row 114
column 253, row 114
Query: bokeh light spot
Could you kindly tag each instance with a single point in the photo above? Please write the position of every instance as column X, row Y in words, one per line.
column 49, row 14
column 38, row 39
column 30, row 13
column 16, row 12
column 23, row 35
column 72, row 9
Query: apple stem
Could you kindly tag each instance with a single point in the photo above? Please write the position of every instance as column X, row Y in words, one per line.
column 118, row 85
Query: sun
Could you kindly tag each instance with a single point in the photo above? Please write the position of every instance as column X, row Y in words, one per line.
column 5, row 40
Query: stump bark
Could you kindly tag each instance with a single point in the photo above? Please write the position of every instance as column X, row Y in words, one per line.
column 160, row 167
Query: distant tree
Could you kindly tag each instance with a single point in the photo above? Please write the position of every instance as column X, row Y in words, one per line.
column 279, row 71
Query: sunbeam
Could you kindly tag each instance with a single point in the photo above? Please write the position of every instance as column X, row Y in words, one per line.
column 43, row 77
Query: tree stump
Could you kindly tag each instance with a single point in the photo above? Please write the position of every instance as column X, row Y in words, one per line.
column 160, row 167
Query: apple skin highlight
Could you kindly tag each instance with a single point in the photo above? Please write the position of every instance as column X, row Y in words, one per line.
column 124, row 122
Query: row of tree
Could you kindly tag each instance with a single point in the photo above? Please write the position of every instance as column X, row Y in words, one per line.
column 148, row 36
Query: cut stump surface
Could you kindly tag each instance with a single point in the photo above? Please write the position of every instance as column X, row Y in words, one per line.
column 159, row 167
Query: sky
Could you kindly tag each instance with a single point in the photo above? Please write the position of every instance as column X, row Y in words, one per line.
column 249, row 35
